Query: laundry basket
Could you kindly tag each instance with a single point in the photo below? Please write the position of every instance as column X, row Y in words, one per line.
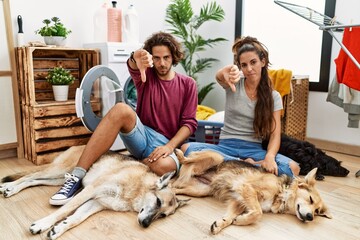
column 207, row 131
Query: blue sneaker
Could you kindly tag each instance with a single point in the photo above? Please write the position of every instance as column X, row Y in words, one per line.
column 71, row 186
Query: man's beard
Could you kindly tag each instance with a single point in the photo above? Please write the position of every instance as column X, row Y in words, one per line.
column 163, row 71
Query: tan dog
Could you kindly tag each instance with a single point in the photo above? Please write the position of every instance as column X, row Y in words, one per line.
column 247, row 190
column 115, row 181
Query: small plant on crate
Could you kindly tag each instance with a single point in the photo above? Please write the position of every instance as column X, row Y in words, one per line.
column 55, row 33
column 60, row 79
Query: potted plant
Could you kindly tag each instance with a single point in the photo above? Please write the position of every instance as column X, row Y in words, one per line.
column 60, row 79
column 54, row 32
column 184, row 24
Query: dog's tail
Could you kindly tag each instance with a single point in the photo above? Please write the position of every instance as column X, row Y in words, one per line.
column 16, row 176
column 11, row 178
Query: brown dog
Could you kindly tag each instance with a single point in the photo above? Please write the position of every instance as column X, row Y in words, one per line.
column 247, row 190
column 117, row 182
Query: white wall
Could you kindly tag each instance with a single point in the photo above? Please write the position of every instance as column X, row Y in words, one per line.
column 78, row 16
column 325, row 120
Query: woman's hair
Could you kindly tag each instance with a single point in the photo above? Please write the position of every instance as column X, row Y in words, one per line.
column 165, row 39
column 264, row 119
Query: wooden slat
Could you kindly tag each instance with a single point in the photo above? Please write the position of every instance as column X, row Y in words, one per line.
column 26, row 130
column 60, row 108
column 61, row 132
column 29, row 78
column 51, row 63
column 46, row 111
column 5, row 73
column 48, row 94
column 60, row 52
column 60, row 143
column 40, row 74
column 62, row 121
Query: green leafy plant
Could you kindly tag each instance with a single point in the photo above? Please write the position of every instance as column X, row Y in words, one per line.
column 54, row 28
column 59, row 76
column 184, row 24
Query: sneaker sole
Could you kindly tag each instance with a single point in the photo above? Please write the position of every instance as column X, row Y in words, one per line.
column 59, row 202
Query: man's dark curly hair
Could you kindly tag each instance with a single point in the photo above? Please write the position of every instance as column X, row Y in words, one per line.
column 165, row 39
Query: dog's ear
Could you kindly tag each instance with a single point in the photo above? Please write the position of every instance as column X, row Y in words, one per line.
column 310, row 177
column 324, row 212
column 164, row 180
column 182, row 202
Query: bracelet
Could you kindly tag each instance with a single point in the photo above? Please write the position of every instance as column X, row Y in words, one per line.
column 132, row 57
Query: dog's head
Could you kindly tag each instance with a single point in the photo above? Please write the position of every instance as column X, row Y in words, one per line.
column 330, row 165
column 307, row 200
column 159, row 202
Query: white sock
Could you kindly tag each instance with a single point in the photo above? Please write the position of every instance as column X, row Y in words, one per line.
column 79, row 172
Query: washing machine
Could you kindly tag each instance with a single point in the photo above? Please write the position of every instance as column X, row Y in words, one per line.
column 104, row 85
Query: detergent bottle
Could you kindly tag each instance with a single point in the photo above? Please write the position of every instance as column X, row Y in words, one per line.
column 100, row 24
column 114, row 21
column 132, row 28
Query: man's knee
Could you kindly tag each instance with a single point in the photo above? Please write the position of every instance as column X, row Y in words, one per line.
column 184, row 147
column 295, row 168
column 121, row 109
column 162, row 166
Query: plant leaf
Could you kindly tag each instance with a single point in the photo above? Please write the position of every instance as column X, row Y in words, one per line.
column 204, row 91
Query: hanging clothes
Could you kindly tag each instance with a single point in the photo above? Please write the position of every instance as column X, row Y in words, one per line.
column 347, row 72
column 346, row 98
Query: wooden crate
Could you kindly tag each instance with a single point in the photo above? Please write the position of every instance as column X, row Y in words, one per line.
column 34, row 63
column 294, row 121
column 50, row 127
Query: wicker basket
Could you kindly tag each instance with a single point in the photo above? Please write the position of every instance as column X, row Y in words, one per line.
column 294, row 120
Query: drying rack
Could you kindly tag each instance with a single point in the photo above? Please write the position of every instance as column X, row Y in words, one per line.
column 324, row 22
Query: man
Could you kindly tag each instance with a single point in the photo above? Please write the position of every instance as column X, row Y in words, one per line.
column 164, row 118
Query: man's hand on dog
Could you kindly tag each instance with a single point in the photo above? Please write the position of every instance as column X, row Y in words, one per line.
column 161, row 151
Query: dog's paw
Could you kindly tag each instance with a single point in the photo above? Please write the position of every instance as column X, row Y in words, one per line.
column 7, row 190
column 214, row 228
column 179, row 154
column 2, row 188
column 40, row 226
column 56, row 231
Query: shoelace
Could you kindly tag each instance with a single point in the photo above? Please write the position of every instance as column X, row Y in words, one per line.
column 69, row 182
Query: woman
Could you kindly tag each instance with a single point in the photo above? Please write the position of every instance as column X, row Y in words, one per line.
column 252, row 111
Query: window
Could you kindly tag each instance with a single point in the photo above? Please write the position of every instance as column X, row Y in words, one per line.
column 289, row 37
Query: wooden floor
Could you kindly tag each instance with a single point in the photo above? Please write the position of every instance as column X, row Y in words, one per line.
column 193, row 221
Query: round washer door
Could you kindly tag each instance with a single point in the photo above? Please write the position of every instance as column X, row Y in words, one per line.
column 100, row 89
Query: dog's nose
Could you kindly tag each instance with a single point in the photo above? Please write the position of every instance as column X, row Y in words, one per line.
column 309, row 217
